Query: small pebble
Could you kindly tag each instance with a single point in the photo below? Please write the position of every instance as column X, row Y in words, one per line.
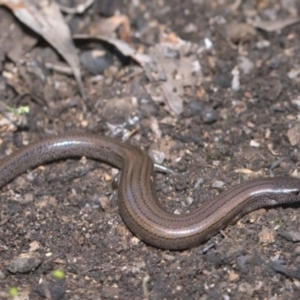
column 24, row 263
column 242, row 261
column 157, row 156
column 209, row 115
column 181, row 186
column 254, row 144
column 293, row 135
column 96, row 61
column 189, row 200
column 293, row 236
column 218, row 184
column 245, row 64
column 263, row 44
column 196, row 105
column 198, row 183
column 55, row 288
column 293, row 73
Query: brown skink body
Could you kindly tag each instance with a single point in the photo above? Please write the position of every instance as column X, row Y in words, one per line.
column 138, row 203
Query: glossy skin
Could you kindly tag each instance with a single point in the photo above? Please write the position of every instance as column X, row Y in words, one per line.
column 138, row 203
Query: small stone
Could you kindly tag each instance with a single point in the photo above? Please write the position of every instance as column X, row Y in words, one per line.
column 135, row 241
column 168, row 257
column 209, row 115
column 293, row 135
column 292, row 74
column 181, row 186
column 189, row 200
column 157, row 156
column 198, row 183
column 233, row 276
column 293, row 236
column 110, row 292
column 242, row 261
column 24, row 263
column 245, row 64
column 263, row 44
column 246, row 288
column 138, row 267
column 55, row 288
column 195, row 105
column 105, row 203
column 96, row 61
column 254, row 144
column 296, row 251
column 218, row 184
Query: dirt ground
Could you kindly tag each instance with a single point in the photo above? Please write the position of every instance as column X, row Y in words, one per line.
column 240, row 120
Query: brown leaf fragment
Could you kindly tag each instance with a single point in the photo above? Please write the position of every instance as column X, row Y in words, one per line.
column 174, row 69
column 233, row 276
column 166, row 63
column 173, row 100
column 266, row 235
column 275, row 25
column 293, row 135
column 107, row 26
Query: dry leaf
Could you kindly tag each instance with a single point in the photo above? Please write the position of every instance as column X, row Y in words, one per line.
column 275, row 25
column 160, row 64
column 174, row 70
column 123, row 47
column 293, row 135
column 106, row 26
column 266, row 235
column 45, row 18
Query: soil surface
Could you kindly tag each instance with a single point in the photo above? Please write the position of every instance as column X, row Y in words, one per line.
column 239, row 121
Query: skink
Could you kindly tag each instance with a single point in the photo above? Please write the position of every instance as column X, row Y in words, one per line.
column 137, row 200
